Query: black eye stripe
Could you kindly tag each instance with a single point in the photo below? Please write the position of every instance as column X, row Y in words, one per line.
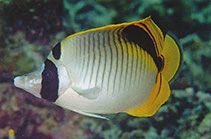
column 57, row 51
column 50, row 81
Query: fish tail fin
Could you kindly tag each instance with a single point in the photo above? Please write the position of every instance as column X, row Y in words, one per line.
column 159, row 95
column 172, row 54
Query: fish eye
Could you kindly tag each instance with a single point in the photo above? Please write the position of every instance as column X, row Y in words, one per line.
column 48, row 74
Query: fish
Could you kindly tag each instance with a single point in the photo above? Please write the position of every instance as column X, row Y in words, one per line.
column 118, row 68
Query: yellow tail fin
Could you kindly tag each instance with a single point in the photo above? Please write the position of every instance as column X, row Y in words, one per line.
column 172, row 57
column 159, row 95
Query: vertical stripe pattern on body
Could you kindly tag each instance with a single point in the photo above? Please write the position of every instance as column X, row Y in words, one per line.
column 112, row 59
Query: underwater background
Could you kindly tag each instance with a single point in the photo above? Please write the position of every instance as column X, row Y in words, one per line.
column 30, row 28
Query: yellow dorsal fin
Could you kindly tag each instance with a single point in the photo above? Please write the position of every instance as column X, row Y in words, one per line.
column 156, row 33
column 159, row 95
column 147, row 24
column 172, row 57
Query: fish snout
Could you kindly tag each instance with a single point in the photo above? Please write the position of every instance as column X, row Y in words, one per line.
column 19, row 81
column 30, row 83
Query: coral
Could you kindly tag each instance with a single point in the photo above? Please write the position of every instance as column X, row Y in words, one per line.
column 205, row 127
column 19, row 56
column 30, row 117
column 112, row 133
column 197, row 59
column 37, row 19
column 83, row 15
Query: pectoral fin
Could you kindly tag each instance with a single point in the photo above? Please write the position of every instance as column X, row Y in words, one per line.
column 90, row 93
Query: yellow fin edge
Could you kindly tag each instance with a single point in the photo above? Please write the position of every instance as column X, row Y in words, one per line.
column 159, row 95
column 112, row 26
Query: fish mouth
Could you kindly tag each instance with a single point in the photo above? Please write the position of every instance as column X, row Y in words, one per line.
column 19, row 82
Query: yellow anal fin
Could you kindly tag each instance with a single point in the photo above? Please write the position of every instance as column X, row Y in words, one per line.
column 172, row 57
column 159, row 95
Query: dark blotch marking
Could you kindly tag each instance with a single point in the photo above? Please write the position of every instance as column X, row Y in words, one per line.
column 50, row 82
column 57, row 51
column 140, row 37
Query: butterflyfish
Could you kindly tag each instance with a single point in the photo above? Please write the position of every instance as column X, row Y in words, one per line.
column 117, row 68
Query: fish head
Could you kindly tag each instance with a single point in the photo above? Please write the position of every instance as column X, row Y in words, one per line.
column 49, row 81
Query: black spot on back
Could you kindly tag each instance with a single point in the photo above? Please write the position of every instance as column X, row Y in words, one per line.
column 140, row 37
column 57, row 51
column 50, row 82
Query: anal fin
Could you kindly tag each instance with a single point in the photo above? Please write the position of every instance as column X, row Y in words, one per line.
column 159, row 95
